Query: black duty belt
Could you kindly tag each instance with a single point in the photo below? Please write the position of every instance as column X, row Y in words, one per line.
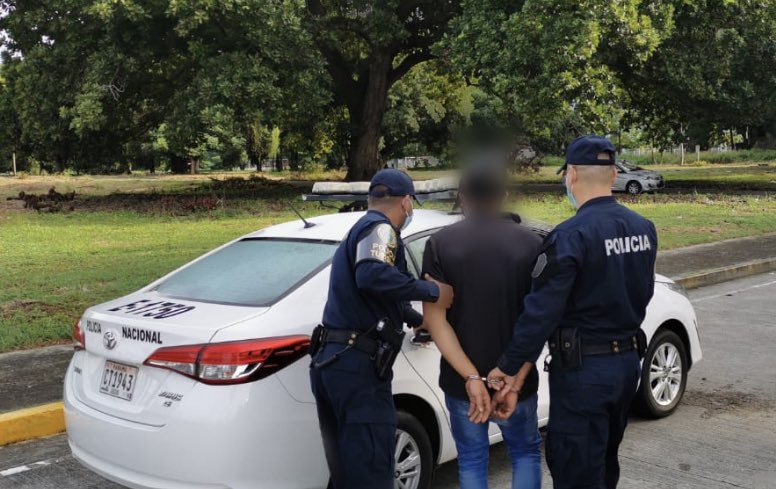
column 610, row 347
column 355, row 339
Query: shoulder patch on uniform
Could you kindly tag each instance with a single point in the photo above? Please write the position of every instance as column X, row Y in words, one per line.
column 541, row 264
column 380, row 244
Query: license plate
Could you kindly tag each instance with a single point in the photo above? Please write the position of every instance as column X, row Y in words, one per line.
column 118, row 380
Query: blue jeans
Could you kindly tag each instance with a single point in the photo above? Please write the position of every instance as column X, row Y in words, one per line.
column 521, row 436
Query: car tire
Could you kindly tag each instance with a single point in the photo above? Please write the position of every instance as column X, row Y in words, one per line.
column 633, row 187
column 663, row 376
column 414, row 454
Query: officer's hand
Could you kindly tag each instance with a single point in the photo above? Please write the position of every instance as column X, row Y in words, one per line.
column 504, row 408
column 421, row 336
column 479, row 401
column 500, row 381
column 445, row 292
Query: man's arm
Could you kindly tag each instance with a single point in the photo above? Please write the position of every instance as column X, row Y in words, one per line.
column 553, row 278
column 376, row 273
column 384, row 279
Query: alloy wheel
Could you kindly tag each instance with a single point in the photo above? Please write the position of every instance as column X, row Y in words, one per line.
column 408, row 461
column 665, row 374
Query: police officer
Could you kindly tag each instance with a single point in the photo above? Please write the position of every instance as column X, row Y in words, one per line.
column 592, row 283
column 369, row 291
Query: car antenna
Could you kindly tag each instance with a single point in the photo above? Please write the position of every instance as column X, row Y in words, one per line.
column 307, row 224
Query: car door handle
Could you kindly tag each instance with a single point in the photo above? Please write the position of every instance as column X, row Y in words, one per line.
column 421, row 338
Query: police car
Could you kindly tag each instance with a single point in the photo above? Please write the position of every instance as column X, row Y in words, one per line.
column 200, row 379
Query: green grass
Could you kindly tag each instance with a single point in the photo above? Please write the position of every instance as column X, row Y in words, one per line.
column 56, row 265
column 715, row 157
column 728, row 177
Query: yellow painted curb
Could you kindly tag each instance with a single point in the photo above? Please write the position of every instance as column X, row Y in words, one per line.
column 26, row 424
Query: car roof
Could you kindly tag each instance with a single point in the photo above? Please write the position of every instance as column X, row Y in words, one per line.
column 334, row 227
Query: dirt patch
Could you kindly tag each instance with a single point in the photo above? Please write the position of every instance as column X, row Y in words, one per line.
column 725, row 399
column 206, row 196
column 52, row 201
column 8, row 309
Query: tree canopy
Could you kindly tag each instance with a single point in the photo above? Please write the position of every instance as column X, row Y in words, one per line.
column 107, row 86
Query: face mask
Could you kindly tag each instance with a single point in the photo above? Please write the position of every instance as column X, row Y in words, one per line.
column 570, row 195
column 407, row 220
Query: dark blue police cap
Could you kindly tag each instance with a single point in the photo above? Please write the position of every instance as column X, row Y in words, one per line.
column 396, row 183
column 585, row 150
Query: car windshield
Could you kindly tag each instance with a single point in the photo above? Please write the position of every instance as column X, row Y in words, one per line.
column 249, row 272
column 628, row 166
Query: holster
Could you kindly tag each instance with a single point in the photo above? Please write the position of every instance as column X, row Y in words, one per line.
column 641, row 343
column 316, row 340
column 565, row 350
column 389, row 341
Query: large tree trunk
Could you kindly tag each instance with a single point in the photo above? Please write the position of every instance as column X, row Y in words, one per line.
column 367, row 120
column 179, row 164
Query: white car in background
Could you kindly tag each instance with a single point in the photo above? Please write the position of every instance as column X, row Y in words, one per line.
column 200, row 379
column 635, row 180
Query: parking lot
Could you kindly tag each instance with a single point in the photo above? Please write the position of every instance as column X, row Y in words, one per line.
column 723, row 435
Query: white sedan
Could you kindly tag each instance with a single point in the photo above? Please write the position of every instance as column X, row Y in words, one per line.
column 200, row 379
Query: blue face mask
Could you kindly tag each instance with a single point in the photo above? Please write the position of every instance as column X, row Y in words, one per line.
column 407, row 221
column 570, row 195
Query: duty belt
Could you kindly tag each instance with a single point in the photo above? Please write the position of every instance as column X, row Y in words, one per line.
column 355, row 339
column 610, row 347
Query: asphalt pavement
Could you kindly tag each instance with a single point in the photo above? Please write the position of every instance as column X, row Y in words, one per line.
column 722, row 436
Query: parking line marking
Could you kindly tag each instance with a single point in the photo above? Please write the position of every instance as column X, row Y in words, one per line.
column 731, row 292
column 32, row 466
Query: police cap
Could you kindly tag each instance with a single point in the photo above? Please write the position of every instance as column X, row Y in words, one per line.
column 585, row 150
column 393, row 183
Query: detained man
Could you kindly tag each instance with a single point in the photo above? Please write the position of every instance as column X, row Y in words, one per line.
column 487, row 258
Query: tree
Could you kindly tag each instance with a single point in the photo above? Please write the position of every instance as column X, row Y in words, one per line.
column 554, row 63
column 367, row 47
column 427, row 109
column 101, row 80
column 714, row 74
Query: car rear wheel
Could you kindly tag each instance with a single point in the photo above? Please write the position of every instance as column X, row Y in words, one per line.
column 663, row 375
column 414, row 455
column 633, row 187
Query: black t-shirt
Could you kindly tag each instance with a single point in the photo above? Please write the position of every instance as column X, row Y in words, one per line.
column 488, row 261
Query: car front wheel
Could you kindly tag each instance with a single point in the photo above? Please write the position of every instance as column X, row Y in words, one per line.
column 663, row 375
column 414, row 455
column 633, row 188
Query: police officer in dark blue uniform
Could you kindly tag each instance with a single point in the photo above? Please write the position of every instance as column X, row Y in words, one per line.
column 354, row 349
column 592, row 283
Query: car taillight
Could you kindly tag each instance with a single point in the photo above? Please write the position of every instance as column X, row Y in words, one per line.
column 233, row 362
column 79, row 338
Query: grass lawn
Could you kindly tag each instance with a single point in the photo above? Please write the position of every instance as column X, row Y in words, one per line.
column 726, row 177
column 54, row 265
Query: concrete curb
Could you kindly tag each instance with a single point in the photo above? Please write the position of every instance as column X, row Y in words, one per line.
column 725, row 274
column 49, row 419
column 35, row 422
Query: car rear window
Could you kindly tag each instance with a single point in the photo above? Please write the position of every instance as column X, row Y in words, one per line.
column 250, row 272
